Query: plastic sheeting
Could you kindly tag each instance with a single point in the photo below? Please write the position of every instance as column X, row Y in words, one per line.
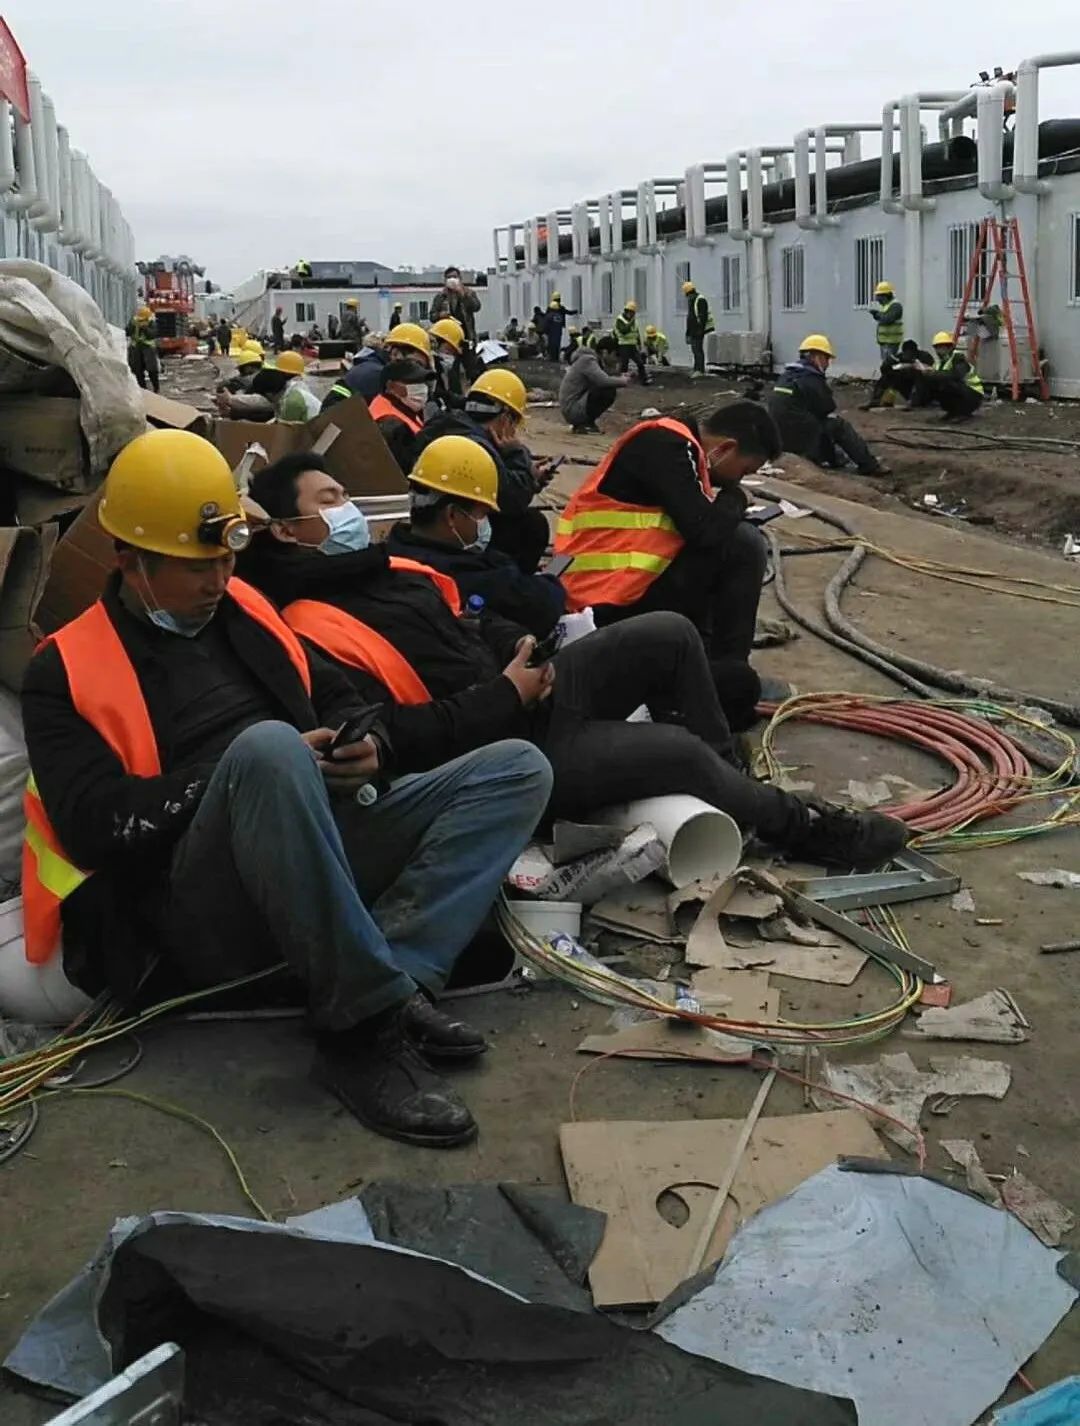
column 914, row 1299
column 308, row 1321
column 46, row 316
column 1057, row 1405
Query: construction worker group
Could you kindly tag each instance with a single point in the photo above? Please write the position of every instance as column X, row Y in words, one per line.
column 274, row 743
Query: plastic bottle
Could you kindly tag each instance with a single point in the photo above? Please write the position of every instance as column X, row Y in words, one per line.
column 474, row 607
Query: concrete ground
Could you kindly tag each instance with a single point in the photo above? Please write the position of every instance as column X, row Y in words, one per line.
column 93, row 1160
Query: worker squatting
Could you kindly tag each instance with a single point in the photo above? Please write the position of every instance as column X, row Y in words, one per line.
column 271, row 741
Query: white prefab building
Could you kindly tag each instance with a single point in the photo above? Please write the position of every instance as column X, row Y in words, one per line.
column 792, row 239
column 54, row 210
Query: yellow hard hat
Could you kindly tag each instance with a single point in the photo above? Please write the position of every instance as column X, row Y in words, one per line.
column 687, row 288
column 449, row 329
column 943, row 339
column 292, row 362
column 630, row 306
column 575, row 331
column 171, row 492
column 456, row 465
column 351, row 302
column 251, row 345
column 501, row 385
column 556, row 297
column 246, row 357
column 144, row 314
column 883, row 289
column 650, row 330
column 816, row 342
column 408, row 334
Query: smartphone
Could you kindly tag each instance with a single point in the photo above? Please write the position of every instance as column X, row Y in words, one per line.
column 553, row 467
column 353, row 729
column 558, row 565
column 544, row 650
column 763, row 512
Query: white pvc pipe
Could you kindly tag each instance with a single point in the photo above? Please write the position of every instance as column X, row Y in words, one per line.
column 79, row 214
column 803, row 216
column 991, row 132
column 68, row 234
column 1026, row 141
column 911, row 142
column 24, row 167
column 92, row 248
column 735, row 224
column 52, row 177
column 888, row 119
column 951, row 119
column 38, row 212
column 699, row 841
column 7, row 149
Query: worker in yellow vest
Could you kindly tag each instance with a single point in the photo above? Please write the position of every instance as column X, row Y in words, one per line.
column 396, row 627
column 142, row 348
column 656, row 347
column 196, row 776
column 627, row 336
column 952, row 383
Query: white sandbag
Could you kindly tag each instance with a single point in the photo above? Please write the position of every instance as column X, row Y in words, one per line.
column 37, row 995
column 14, row 770
column 46, row 316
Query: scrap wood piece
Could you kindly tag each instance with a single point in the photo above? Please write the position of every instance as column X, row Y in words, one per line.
column 897, row 1087
column 991, row 1018
column 626, row 1168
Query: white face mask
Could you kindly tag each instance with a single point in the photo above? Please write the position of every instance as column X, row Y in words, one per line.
column 416, row 395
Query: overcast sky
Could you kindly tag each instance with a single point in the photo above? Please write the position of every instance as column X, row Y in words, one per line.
column 250, row 133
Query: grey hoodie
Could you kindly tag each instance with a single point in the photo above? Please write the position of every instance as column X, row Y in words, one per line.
column 584, row 374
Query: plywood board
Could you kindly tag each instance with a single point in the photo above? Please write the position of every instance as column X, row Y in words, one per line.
column 634, row 1171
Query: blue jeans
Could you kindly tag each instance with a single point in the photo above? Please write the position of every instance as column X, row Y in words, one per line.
column 364, row 903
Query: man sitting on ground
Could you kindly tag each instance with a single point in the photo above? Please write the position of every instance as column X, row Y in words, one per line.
column 660, row 524
column 397, row 630
column 897, row 375
column 804, row 408
column 191, row 795
column 587, row 391
column 493, row 416
column 398, row 410
column 951, row 383
column 408, row 342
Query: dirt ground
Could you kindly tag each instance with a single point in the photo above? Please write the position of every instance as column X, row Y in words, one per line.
column 94, row 1160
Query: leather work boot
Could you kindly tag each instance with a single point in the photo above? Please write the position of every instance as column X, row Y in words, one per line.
column 437, row 1036
column 378, row 1075
column 860, row 840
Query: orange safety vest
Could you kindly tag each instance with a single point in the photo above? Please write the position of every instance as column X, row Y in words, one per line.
column 619, row 549
column 105, row 690
column 379, row 407
column 358, row 645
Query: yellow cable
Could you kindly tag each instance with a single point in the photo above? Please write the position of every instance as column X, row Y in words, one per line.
column 178, row 1112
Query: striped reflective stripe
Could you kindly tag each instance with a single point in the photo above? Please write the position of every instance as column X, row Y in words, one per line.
column 55, row 872
column 615, row 520
column 784, row 390
column 654, row 564
column 340, row 390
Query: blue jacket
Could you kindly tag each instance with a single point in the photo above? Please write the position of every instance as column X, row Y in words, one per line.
column 364, row 377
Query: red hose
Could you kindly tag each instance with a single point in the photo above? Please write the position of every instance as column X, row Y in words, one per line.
column 991, row 771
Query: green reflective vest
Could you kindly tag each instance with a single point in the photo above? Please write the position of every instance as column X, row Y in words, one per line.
column 702, row 314
column 889, row 334
column 626, row 330
column 972, row 379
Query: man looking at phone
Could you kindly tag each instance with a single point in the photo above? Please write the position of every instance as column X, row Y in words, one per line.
column 448, row 682
column 196, row 772
column 661, row 524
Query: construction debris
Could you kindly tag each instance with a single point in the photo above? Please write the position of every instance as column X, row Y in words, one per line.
column 1048, row 1219
column 992, row 1017
column 1057, row 877
column 896, row 1087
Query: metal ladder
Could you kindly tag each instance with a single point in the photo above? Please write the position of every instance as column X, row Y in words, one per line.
column 1007, row 269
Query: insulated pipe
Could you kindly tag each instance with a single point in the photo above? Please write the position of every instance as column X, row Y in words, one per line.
column 24, row 168
column 735, row 225
column 80, row 217
column 1026, row 141
column 68, row 234
column 7, row 151
column 991, row 134
column 821, row 150
column 38, row 212
column 951, row 119
column 888, row 119
column 92, row 247
column 911, row 143
column 52, row 163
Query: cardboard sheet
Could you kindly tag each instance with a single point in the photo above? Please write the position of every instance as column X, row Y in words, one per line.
column 357, row 455
column 80, row 565
column 737, row 994
column 163, row 412
column 636, row 1171
column 24, row 568
column 41, row 436
column 668, row 1040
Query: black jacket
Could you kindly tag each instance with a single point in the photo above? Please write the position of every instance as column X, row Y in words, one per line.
column 124, row 827
column 697, row 315
column 536, row 602
column 800, row 404
column 401, row 439
column 459, row 660
column 659, row 468
column 517, row 483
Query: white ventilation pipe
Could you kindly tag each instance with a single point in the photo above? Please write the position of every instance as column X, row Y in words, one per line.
column 68, row 233
column 886, row 199
column 40, row 211
column 990, row 108
column 21, row 201
column 1026, row 141
column 951, row 119
column 911, row 143
column 7, row 151
column 92, row 247
column 52, row 164
column 80, row 216
column 822, row 148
